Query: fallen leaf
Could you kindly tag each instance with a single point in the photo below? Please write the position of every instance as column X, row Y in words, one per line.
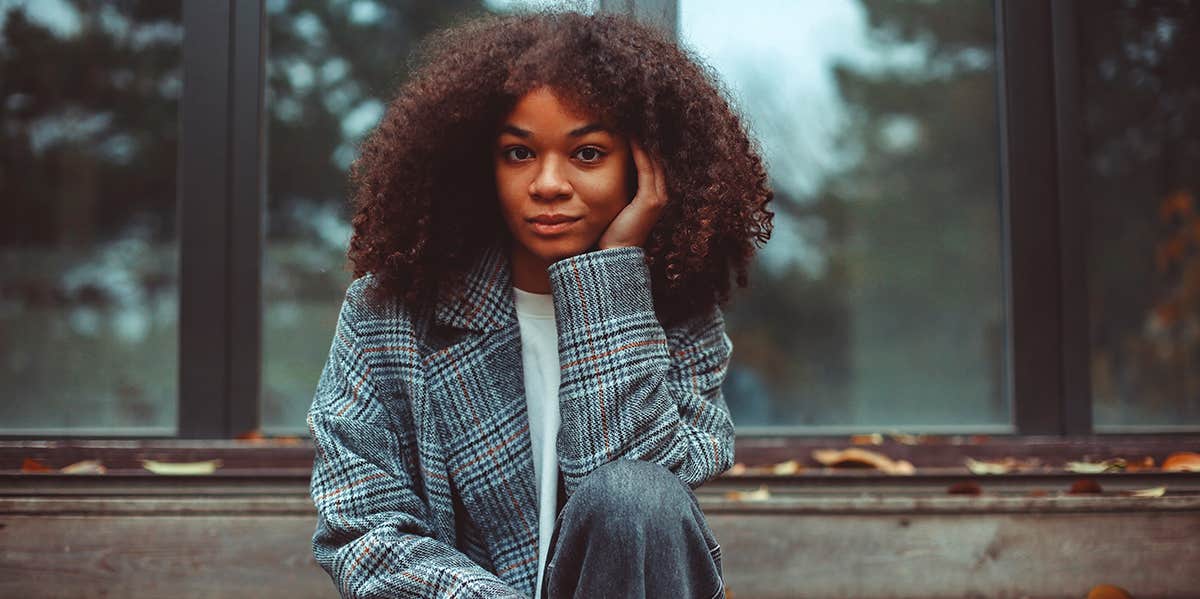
column 254, row 435
column 869, row 439
column 1151, row 492
column 34, row 465
column 1084, row 485
column 788, row 467
column 759, row 494
column 287, row 440
column 184, row 468
column 1006, row 465
column 854, row 457
column 906, row 438
column 1108, row 591
column 1113, row 465
column 1147, row 463
column 738, row 469
column 981, row 467
column 1183, row 461
column 84, row 467
column 967, row 487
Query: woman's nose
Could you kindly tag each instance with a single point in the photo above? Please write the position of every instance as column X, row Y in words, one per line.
column 550, row 182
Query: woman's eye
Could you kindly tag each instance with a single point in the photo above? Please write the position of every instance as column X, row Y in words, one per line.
column 517, row 153
column 590, row 154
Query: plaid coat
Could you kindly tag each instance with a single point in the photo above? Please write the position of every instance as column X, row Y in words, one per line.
column 423, row 474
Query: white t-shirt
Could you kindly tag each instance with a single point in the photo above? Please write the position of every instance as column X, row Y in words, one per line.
column 539, row 352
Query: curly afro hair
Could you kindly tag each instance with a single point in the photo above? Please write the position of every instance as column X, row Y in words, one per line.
column 429, row 161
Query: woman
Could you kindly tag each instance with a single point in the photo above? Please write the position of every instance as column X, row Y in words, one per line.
column 524, row 387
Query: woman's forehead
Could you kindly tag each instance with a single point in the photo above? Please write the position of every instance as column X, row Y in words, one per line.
column 544, row 111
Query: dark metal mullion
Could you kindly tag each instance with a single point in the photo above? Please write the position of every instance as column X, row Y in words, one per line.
column 1030, row 196
column 1073, row 212
column 246, row 216
column 204, row 161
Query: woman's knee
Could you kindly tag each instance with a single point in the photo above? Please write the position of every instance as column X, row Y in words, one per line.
column 633, row 493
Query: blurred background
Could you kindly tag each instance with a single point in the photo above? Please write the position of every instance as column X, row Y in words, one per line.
column 881, row 300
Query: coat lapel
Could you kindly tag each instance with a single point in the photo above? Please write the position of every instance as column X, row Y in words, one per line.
column 476, row 389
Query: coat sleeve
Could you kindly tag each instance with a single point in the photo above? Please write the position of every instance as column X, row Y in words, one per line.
column 630, row 389
column 373, row 535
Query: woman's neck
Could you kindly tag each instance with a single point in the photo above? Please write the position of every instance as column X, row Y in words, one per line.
column 529, row 273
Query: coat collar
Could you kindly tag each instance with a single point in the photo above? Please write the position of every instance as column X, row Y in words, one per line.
column 482, row 299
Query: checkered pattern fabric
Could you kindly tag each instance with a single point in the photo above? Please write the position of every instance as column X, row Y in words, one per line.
column 423, row 476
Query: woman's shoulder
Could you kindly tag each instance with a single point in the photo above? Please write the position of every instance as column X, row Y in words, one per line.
column 366, row 303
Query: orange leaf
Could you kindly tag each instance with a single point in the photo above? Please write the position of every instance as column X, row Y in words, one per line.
column 1108, row 591
column 1182, row 461
column 871, row 439
column 1147, row 463
column 855, row 457
column 34, row 465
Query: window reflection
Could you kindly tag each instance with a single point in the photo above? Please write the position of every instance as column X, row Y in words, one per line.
column 88, row 278
column 878, row 301
column 1141, row 129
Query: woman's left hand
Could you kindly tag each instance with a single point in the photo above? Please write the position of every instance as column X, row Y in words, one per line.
column 632, row 225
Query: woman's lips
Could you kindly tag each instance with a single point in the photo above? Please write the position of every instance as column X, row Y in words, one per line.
column 552, row 228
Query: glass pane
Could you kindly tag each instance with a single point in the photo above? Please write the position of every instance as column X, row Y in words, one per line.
column 328, row 85
column 1141, row 129
column 878, row 302
column 89, row 96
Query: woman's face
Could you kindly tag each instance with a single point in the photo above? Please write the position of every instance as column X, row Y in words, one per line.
column 561, row 178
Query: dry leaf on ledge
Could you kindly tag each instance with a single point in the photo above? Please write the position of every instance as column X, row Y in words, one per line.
column 84, row 467
column 1147, row 463
column 34, row 465
column 906, row 438
column 1008, row 464
column 184, row 468
column 788, row 467
column 1113, row 465
column 759, row 494
column 857, row 457
column 1108, row 591
column 1151, row 492
column 1182, row 461
column 981, row 467
column 870, row 439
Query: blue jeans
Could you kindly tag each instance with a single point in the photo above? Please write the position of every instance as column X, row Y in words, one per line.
column 632, row 529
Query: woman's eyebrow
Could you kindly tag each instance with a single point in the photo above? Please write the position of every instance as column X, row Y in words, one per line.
column 584, row 130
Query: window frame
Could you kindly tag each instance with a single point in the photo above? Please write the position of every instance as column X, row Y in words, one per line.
column 222, row 246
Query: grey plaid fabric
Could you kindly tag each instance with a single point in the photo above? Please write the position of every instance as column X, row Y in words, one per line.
column 423, row 476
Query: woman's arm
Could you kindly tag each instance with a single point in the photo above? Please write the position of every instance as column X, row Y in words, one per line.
column 629, row 389
column 373, row 534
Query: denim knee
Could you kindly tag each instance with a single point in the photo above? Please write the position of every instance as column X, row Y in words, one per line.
column 625, row 496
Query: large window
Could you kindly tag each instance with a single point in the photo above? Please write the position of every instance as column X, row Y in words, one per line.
column 986, row 210
column 879, row 300
column 1140, row 104
column 89, row 95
